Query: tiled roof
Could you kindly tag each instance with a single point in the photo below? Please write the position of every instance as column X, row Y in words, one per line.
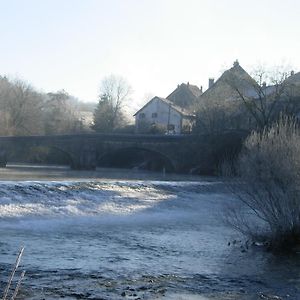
column 175, row 107
column 195, row 91
column 235, row 77
column 294, row 79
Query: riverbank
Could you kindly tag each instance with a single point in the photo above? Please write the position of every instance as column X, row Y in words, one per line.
column 33, row 172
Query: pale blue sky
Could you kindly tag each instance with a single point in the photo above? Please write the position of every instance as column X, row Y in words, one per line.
column 154, row 44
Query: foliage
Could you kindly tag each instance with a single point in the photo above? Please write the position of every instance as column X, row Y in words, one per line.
column 146, row 127
column 157, row 129
column 20, row 108
column 143, row 126
column 217, row 116
column 109, row 114
column 127, row 129
column 269, row 170
column 24, row 111
column 61, row 114
column 105, row 118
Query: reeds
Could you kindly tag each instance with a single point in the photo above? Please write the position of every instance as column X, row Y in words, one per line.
column 11, row 277
column 269, row 187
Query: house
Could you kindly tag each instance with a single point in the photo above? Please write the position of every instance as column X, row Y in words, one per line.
column 219, row 107
column 185, row 95
column 237, row 101
column 293, row 83
column 225, row 88
column 235, row 82
column 234, row 101
column 162, row 115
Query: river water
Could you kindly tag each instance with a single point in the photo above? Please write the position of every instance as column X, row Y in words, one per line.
column 91, row 237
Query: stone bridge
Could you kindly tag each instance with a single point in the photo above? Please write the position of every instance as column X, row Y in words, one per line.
column 179, row 153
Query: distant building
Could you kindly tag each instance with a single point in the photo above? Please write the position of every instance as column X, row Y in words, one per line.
column 185, row 95
column 237, row 101
column 173, row 114
column 219, row 105
column 160, row 114
column 225, row 88
column 293, row 81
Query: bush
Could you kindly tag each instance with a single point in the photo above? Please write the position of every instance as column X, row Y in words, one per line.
column 157, row 129
column 269, row 186
column 127, row 129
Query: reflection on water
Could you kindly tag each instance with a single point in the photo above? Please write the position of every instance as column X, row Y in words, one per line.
column 131, row 239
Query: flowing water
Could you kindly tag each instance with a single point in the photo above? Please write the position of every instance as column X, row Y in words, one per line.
column 131, row 239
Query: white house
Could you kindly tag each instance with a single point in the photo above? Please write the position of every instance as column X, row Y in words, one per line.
column 164, row 115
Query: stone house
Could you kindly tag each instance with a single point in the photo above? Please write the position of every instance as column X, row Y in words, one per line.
column 162, row 115
column 219, row 108
column 185, row 96
column 225, row 88
column 237, row 101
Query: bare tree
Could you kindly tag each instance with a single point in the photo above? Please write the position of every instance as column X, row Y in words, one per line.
column 109, row 114
column 21, row 108
column 61, row 114
column 215, row 116
column 24, row 111
column 267, row 96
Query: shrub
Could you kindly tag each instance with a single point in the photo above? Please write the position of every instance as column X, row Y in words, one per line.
column 157, row 129
column 269, row 186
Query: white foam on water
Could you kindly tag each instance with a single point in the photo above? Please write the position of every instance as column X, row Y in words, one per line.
column 46, row 206
column 45, row 199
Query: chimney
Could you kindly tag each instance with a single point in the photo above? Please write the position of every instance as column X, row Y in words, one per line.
column 201, row 89
column 211, row 82
column 236, row 63
column 264, row 85
column 292, row 73
column 188, row 83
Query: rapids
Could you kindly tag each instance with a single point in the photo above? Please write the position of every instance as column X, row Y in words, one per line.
column 132, row 239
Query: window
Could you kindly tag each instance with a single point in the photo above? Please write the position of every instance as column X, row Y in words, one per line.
column 142, row 116
column 171, row 127
column 154, row 115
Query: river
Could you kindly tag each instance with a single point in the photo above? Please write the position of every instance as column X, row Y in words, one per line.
column 130, row 235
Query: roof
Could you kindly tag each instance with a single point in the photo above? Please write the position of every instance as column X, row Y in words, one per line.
column 294, row 79
column 168, row 102
column 194, row 89
column 191, row 91
column 238, row 77
column 235, row 77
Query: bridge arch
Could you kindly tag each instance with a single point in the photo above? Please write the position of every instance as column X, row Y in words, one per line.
column 133, row 157
column 48, row 154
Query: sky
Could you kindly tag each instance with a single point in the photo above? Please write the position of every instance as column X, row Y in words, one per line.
column 154, row 44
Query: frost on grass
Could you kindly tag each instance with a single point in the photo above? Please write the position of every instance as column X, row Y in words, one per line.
column 268, row 186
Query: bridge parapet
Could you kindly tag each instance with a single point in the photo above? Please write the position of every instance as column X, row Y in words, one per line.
column 184, row 152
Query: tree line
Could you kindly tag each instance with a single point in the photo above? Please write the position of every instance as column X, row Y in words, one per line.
column 26, row 111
